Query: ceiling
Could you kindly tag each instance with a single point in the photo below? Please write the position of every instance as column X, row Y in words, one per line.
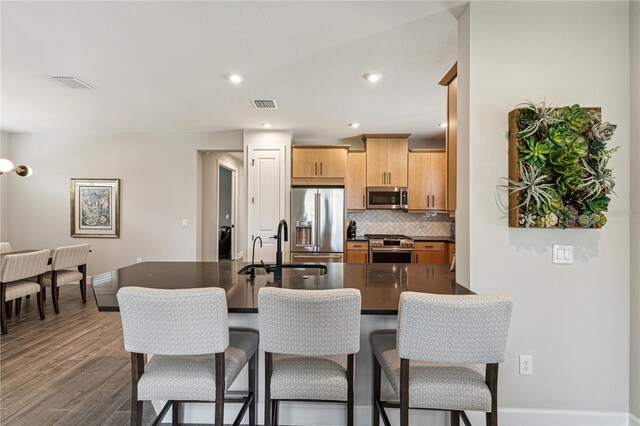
column 160, row 66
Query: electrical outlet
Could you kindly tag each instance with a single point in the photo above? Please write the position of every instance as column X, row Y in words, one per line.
column 139, row 260
column 184, row 223
column 562, row 254
column 226, row 216
column 526, row 365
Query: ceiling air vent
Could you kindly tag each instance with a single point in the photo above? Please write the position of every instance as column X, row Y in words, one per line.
column 73, row 82
column 264, row 104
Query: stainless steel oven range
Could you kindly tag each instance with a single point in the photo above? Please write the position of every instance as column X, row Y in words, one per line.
column 390, row 248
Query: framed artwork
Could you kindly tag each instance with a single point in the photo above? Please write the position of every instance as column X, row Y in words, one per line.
column 95, row 208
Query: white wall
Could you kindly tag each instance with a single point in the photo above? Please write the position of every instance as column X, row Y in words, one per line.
column 574, row 320
column 634, row 158
column 160, row 186
column 209, row 235
column 5, row 181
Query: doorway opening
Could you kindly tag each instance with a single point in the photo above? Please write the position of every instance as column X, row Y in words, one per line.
column 227, row 195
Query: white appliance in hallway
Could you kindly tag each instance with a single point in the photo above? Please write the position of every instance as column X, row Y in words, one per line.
column 317, row 224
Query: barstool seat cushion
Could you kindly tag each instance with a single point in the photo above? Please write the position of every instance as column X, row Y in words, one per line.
column 65, row 276
column 309, row 377
column 431, row 384
column 20, row 288
column 193, row 377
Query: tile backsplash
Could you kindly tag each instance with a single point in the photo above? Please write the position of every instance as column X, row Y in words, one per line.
column 399, row 222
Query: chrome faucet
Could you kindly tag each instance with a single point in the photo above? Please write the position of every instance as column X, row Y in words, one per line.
column 253, row 257
column 277, row 271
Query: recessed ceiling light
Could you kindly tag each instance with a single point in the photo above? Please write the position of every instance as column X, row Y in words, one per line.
column 354, row 125
column 266, row 125
column 372, row 77
column 443, row 125
column 235, row 78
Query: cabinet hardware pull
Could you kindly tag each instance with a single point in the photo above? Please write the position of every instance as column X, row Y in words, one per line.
column 389, row 178
column 321, row 168
column 384, row 177
column 428, row 200
column 316, row 168
column 363, row 203
column 433, row 200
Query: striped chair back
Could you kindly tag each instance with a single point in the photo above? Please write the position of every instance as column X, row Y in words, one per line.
column 16, row 267
column 70, row 256
column 5, row 247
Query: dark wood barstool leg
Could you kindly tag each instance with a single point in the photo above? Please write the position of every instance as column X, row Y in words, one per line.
column 3, row 312
column 18, row 305
column 350, row 390
column 455, row 418
column 404, row 392
column 55, row 291
column 220, row 388
column 253, row 369
column 276, row 406
column 137, row 368
column 267, row 388
column 491, row 378
column 83, row 282
column 8, row 307
column 175, row 413
column 377, row 376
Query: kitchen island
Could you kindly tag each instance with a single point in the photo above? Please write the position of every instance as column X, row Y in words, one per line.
column 380, row 285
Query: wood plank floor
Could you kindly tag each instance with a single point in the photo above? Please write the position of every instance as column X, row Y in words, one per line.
column 70, row 369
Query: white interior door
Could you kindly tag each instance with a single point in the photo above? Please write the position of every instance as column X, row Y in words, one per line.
column 266, row 175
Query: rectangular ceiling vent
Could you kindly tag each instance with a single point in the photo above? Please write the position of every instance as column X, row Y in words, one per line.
column 264, row 104
column 73, row 82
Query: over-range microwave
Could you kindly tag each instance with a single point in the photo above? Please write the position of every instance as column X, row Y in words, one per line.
column 383, row 197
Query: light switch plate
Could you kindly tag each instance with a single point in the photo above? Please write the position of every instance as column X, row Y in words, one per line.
column 562, row 254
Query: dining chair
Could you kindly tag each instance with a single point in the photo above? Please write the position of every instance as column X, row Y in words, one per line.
column 15, row 271
column 434, row 361
column 193, row 356
column 68, row 266
column 5, row 247
column 309, row 338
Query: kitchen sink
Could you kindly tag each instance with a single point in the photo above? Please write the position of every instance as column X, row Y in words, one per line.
column 288, row 269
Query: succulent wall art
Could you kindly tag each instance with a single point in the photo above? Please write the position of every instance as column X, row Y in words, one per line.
column 559, row 175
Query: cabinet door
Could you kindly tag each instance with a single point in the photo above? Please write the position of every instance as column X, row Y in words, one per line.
column 438, row 181
column 438, row 256
column 376, row 161
column 357, row 256
column 397, row 153
column 304, row 163
column 418, row 184
column 422, row 257
column 356, row 181
column 332, row 162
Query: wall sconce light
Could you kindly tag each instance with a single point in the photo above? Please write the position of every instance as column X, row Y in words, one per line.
column 7, row 166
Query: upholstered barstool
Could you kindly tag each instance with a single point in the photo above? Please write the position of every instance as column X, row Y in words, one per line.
column 16, row 270
column 435, row 359
column 68, row 266
column 5, row 247
column 309, row 338
column 195, row 357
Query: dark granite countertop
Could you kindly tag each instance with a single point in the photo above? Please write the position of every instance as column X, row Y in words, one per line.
column 379, row 283
column 436, row 239
column 358, row 238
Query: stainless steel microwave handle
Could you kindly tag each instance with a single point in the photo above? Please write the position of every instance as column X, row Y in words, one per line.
column 389, row 178
column 315, row 168
column 363, row 197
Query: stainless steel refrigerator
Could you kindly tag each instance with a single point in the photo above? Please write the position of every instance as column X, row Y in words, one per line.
column 317, row 224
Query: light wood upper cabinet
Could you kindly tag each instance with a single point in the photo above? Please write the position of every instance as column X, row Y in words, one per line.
column 427, row 180
column 450, row 81
column 356, row 180
column 309, row 164
column 386, row 160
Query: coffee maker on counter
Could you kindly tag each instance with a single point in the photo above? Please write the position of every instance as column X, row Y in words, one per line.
column 351, row 230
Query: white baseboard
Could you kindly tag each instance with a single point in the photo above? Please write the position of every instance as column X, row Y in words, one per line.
column 318, row 414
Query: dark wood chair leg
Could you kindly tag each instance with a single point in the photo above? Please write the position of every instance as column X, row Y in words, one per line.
column 18, row 305
column 55, row 291
column 83, row 282
column 350, row 390
column 377, row 379
column 3, row 312
column 137, row 368
column 404, row 392
column 28, row 296
column 41, row 303
column 220, row 388
column 455, row 418
column 175, row 413
column 253, row 371
column 268, row 365
column 8, row 307
column 276, row 406
column 44, row 293
column 491, row 378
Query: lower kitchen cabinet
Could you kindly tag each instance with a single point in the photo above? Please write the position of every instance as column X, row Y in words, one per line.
column 357, row 252
column 451, row 251
column 429, row 252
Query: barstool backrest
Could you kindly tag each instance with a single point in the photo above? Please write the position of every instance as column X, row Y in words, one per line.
column 5, row 247
column 309, row 322
column 70, row 256
column 16, row 267
column 464, row 329
column 174, row 322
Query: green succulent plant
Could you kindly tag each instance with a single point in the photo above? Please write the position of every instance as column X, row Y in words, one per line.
column 588, row 220
column 599, row 177
column 598, row 203
column 527, row 219
column 536, row 190
column 576, row 117
column 567, row 216
column 534, row 117
column 557, row 135
column 534, row 152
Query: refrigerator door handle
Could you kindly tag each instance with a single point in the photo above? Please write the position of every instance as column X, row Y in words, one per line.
column 318, row 222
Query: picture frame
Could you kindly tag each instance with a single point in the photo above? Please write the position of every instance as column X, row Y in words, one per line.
column 95, row 208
